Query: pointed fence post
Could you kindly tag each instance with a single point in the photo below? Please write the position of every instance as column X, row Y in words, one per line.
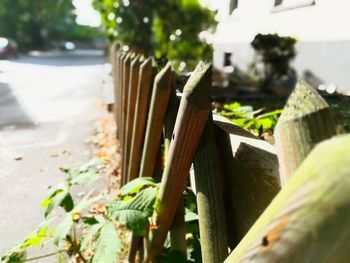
column 158, row 106
column 131, row 100
column 119, row 95
column 142, row 105
column 178, row 226
column 190, row 122
column 308, row 221
column 305, row 121
column 116, row 69
column 251, row 178
column 124, row 106
column 210, row 204
column 114, row 56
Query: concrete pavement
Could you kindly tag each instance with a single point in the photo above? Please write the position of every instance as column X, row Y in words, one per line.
column 48, row 106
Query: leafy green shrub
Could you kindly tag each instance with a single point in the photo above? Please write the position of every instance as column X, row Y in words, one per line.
column 275, row 52
column 253, row 120
column 166, row 29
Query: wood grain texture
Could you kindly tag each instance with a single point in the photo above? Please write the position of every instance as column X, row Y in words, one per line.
column 142, row 105
column 210, row 204
column 251, row 178
column 308, row 221
column 178, row 227
column 305, row 121
column 157, row 109
column 124, row 107
column 190, row 121
column 118, row 105
column 129, row 123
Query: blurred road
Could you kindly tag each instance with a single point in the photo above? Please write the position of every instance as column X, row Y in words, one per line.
column 48, row 106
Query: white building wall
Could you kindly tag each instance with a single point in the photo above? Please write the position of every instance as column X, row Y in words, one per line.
column 322, row 31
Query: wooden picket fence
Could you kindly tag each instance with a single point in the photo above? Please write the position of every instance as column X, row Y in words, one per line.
column 236, row 176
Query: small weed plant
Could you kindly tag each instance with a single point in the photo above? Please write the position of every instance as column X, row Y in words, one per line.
column 87, row 231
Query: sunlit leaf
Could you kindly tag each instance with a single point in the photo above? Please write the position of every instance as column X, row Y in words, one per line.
column 136, row 185
column 135, row 212
column 59, row 197
column 108, row 245
column 35, row 239
column 90, row 235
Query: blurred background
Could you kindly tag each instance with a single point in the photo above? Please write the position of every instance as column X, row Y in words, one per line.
column 55, row 70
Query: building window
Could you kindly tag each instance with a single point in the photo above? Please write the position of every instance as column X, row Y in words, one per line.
column 233, row 6
column 278, row 2
column 282, row 5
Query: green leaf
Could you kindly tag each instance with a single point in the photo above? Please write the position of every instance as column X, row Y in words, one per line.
column 232, row 106
column 135, row 212
column 240, row 121
column 136, row 185
column 244, row 111
column 59, row 197
column 84, row 174
column 67, row 203
column 108, row 245
column 65, row 226
column 63, row 229
column 90, row 221
column 274, row 113
column 14, row 257
column 265, row 123
column 34, row 239
column 85, row 178
column 90, row 235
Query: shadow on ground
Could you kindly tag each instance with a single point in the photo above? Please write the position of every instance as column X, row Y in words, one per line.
column 12, row 115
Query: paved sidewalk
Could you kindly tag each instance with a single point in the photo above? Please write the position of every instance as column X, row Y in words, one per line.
column 48, row 107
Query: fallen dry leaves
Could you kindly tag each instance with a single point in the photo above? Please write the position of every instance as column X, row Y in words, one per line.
column 108, row 148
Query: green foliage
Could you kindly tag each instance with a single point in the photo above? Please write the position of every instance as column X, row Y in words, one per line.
column 275, row 52
column 78, row 230
column 169, row 28
column 97, row 232
column 80, row 175
column 36, row 23
column 136, row 185
column 85, row 174
column 108, row 245
column 250, row 119
column 134, row 213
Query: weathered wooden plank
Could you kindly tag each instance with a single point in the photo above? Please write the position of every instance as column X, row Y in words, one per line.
column 178, row 226
column 158, row 106
column 305, row 121
column 210, row 204
column 125, row 95
column 178, row 230
column 129, row 123
column 141, row 110
column 190, row 121
column 121, row 83
column 118, row 106
column 117, row 89
column 308, row 221
column 251, row 178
